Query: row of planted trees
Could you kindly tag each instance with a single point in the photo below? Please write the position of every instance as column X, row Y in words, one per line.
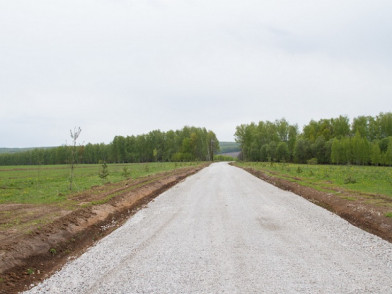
column 187, row 144
column 365, row 140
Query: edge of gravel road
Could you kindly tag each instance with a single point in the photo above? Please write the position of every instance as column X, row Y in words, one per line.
column 367, row 216
column 30, row 259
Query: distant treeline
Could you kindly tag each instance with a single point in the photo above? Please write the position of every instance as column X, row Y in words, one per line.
column 228, row 147
column 187, row 144
column 365, row 140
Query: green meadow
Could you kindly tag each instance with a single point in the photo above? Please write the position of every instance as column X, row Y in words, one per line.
column 47, row 184
column 362, row 179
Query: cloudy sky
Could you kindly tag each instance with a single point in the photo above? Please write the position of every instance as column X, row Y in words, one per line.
column 126, row 67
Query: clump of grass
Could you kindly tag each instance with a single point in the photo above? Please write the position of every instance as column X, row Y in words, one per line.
column 349, row 198
column 299, row 170
column 53, row 251
column 350, row 180
column 389, row 214
column 30, row 271
column 125, row 172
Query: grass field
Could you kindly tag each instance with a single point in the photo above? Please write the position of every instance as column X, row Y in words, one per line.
column 360, row 179
column 49, row 184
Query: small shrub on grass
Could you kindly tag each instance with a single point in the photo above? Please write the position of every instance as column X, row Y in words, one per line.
column 312, row 161
column 104, row 171
column 125, row 172
column 350, row 180
column 299, row 170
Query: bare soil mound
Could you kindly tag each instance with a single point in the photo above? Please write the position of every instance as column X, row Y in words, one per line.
column 27, row 258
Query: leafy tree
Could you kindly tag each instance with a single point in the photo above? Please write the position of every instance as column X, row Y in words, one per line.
column 385, row 123
column 360, row 149
column 337, row 155
column 319, row 150
column 293, row 133
column 282, row 152
column 302, row 151
column 282, row 128
column 361, row 125
column 388, row 154
column 310, row 131
column 213, row 144
column 341, row 127
column 264, row 152
column 375, row 154
column 272, row 151
column 383, row 143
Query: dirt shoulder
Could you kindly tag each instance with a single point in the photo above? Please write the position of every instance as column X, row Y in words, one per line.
column 365, row 211
column 29, row 257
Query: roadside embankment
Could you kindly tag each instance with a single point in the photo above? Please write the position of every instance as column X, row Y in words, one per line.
column 29, row 258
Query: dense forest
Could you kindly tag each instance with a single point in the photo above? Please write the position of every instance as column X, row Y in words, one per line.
column 187, row 144
column 365, row 140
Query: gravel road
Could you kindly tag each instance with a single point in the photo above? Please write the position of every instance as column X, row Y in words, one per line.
column 223, row 230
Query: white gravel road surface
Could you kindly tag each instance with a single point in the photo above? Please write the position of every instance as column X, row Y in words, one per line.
column 223, row 230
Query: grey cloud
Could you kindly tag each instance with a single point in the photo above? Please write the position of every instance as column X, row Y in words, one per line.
column 127, row 67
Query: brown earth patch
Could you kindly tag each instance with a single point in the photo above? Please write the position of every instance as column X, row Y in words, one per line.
column 364, row 210
column 57, row 234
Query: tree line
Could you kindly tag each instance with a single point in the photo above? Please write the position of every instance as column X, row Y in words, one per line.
column 187, row 144
column 365, row 140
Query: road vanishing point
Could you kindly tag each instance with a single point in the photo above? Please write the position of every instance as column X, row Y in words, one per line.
column 223, row 230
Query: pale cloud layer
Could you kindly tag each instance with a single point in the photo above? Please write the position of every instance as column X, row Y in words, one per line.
column 128, row 67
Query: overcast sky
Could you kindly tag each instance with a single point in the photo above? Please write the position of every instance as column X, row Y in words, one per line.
column 126, row 67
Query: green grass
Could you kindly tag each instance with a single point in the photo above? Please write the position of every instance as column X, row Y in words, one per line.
column 364, row 179
column 49, row 184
